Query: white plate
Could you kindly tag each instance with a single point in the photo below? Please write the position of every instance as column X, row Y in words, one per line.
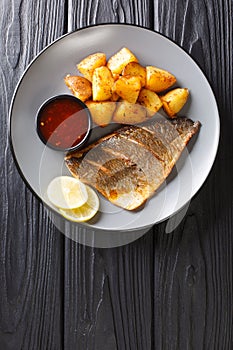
column 44, row 78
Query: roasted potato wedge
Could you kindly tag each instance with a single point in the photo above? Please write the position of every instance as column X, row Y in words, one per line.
column 128, row 88
column 90, row 63
column 123, row 90
column 129, row 113
column 174, row 100
column 135, row 69
column 102, row 84
column 117, row 62
column 80, row 86
column 158, row 80
column 101, row 112
column 150, row 100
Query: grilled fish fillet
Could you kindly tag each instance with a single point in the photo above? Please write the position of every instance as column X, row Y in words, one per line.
column 130, row 164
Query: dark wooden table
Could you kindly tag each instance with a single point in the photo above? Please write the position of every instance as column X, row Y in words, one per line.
column 164, row 291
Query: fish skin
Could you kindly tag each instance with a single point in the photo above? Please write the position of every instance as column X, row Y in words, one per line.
column 130, row 164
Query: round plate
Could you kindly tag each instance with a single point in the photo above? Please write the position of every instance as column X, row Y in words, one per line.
column 44, row 78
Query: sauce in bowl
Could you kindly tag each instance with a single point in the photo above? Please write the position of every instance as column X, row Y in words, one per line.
column 63, row 122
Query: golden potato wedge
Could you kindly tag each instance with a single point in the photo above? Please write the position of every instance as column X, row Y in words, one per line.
column 102, row 84
column 158, row 80
column 174, row 100
column 150, row 100
column 101, row 112
column 117, row 62
column 90, row 63
column 135, row 69
column 129, row 113
column 80, row 86
column 128, row 88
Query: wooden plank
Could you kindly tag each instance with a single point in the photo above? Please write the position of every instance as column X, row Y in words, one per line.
column 108, row 292
column 83, row 13
column 108, row 296
column 30, row 247
column 193, row 266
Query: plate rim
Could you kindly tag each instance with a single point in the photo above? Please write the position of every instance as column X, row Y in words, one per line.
column 9, row 131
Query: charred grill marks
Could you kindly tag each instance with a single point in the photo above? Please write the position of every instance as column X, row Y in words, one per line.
column 128, row 165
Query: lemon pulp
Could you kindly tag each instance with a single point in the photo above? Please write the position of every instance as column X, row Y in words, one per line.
column 84, row 212
column 66, row 192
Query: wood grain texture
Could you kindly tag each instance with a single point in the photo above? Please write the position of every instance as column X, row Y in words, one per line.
column 164, row 291
column 108, row 296
column 83, row 13
column 31, row 272
column 193, row 277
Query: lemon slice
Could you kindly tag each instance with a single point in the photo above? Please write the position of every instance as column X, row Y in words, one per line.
column 86, row 211
column 67, row 192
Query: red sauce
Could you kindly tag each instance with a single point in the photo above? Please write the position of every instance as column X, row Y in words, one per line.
column 63, row 123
